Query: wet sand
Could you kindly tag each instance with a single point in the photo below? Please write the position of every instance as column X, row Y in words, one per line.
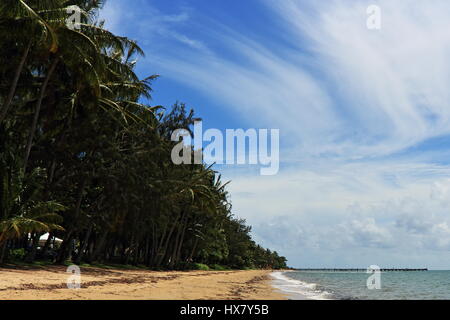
column 50, row 283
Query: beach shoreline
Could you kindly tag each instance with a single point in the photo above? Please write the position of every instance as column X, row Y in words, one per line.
column 50, row 283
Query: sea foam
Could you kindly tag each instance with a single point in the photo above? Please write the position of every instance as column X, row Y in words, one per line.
column 298, row 290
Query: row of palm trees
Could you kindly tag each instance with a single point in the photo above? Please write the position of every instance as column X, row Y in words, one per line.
column 84, row 159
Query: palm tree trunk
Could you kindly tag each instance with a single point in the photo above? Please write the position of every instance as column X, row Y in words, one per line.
column 153, row 247
column 166, row 245
column 177, row 241
column 2, row 251
column 83, row 246
column 47, row 244
column 65, row 245
column 32, row 254
column 64, row 249
column 191, row 256
column 37, row 111
column 159, row 245
column 12, row 89
column 146, row 249
column 180, row 245
column 99, row 247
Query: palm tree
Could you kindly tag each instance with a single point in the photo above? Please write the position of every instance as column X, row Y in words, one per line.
column 83, row 155
column 27, row 26
column 96, row 57
column 21, row 210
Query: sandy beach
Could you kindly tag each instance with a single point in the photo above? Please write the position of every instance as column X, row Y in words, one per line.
column 50, row 283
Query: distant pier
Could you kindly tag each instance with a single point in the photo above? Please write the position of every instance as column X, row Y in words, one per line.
column 361, row 270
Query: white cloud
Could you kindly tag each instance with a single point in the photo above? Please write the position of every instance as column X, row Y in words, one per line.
column 148, row 23
column 349, row 209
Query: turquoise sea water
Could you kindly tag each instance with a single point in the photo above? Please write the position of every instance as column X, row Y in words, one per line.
column 426, row 285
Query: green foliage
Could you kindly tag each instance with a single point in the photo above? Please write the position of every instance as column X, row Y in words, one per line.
column 84, row 157
column 199, row 266
column 17, row 254
column 219, row 267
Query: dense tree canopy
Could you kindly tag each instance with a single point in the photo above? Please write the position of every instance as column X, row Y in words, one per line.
column 84, row 158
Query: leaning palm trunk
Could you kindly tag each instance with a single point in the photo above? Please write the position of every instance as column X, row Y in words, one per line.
column 12, row 90
column 2, row 251
column 180, row 245
column 83, row 246
column 37, row 111
column 47, row 244
column 65, row 245
column 191, row 256
column 99, row 248
column 34, row 244
column 178, row 240
column 166, row 245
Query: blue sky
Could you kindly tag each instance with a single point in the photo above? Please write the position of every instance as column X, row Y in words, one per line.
column 364, row 116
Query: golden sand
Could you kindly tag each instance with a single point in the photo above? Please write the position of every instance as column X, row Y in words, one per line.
column 50, row 283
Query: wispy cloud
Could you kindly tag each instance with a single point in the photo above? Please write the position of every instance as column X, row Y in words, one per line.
column 336, row 86
column 147, row 23
column 390, row 83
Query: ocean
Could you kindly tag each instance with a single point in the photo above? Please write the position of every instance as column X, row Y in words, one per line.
column 318, row 285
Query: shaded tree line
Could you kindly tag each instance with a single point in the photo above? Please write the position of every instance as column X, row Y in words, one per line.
column 85, row 159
